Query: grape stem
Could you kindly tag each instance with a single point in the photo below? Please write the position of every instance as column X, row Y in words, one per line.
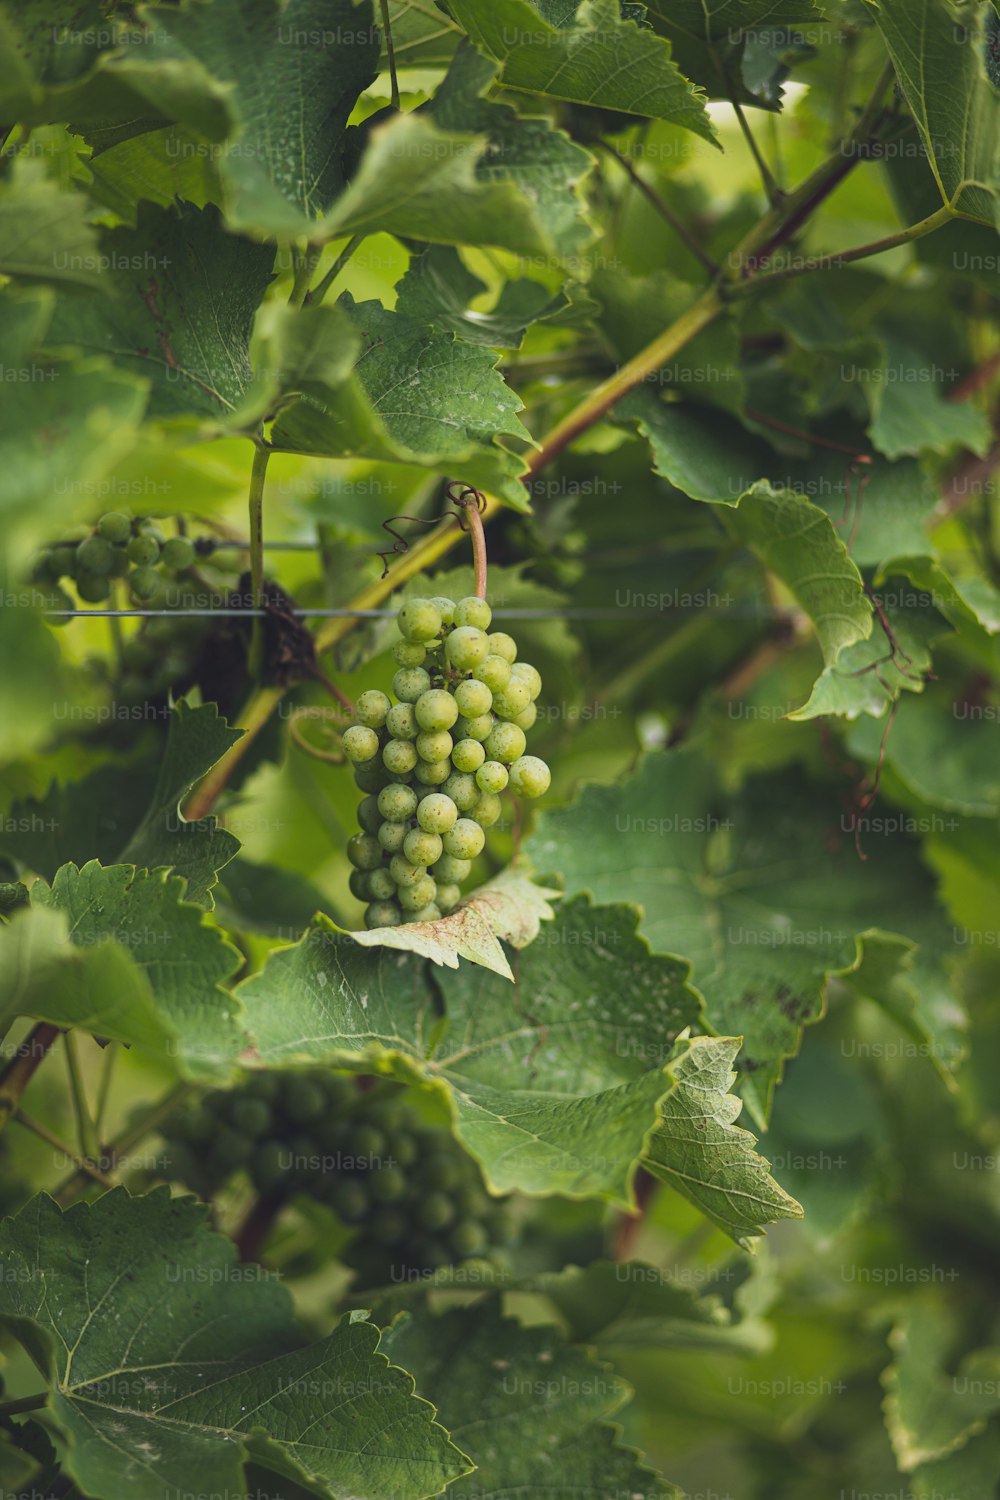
column 249, row 1238
column 470, row 502
column 261, row 454
column 19, row 1073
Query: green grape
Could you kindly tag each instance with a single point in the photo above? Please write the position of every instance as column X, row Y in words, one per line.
column 466, row 647
column 372, row 707
column 409, row 683
column 513, row 700
column 368, row 1144
column 414, row 898
column 408, row 654
column 422, row 848
column 364, row 852
column 441, row 1168
column 529, row 776
column 401, row 721
column 370, row 776
column 492, row 776
column 388, row 1225
column 403, row 873
column 383, row 914
column 148, row 526
column 358, row 884
column 436, row 710
column 252, row 1116
column 119, row 563
column 434, row 745
column 403, row 1149
column 494, row 672
column 465, row 840
column 468, row 755
column 462, row 790
column 381, row 885
column 95, row 555
column 468, row 1237
column 263, row 1086
column 178, row 553
column 399, row 756
column 143, row 550
column 471, row 1201
column 505, row 743
column 391, row 836
column 473, row 611
column 419, row 620
column 196, row 1127
column 435, row 1212
column 397, row 803
column 450, row 870
column 479, row 728
column 429, row 913
column 61, row 560
column 431, row 773
column 503, row 645
column 360, row 743
column 230, row 1150
column 436, row 813
column 114, row 526
column 387, row 1184
column 304, row 1099
column 94, row 588
column 448, row 897
column 524, row 672
column 526, row 720
column 59, row 599
column 267, row 1167
column 144, row 582
column 349, row 1200
column 369, row 815
column 473, row 699
column 445, row 608
column 488, row 810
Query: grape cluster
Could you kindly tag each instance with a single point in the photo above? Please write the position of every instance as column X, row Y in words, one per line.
column 117, row 547
column 412, row 1196
column 433, row 763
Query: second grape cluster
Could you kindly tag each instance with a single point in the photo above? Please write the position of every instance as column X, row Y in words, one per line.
column 434, row 762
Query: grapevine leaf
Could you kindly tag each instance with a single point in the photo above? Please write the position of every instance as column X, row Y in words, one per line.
column 423, row 36
column 296, row 353
column 33, row 673
column 553, row 1085
column 748, row 888
column 178, row 309
column 971, row 1470
column 704, row 1155
column 971, row 605
column 938, row 54
column 169, row 1367
column 941, row 750
column 509, row 906
column 591, row 57
column 196, row 739
column 160, row 167
column 530, row 1410
column 184, row 961
column 437, row 290
column 867, row 678
column 909, row 412
column 929, row 1411
column 77, row 821
column 45, row 233
column 263, row 898
column 52, row 58
column 711, row 40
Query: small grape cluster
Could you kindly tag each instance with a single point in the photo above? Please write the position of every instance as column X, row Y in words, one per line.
column 433, row 764
column 411, row 1194
column 117, row 547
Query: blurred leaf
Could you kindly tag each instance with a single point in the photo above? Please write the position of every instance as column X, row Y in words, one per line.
column 929, row 1411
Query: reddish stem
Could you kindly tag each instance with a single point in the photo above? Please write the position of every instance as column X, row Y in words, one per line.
column 20, row 1071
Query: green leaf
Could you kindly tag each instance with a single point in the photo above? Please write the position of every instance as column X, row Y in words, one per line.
column 178, row 308
column 184, row 961
column 170, row 1366
column 941, row 750
column 437, row 290
column 910, row 414
column 45, row 233
column 296, row 352
column 550, row 1090
column 867, row 678
column 509, row 907
column 196, row 739
column 160, row 167
column 929, row 1411
column 710, row 39
column 593, row 57
column 417, row 397
column 938, row 53
column 529, row 1410
column 77, row 821
column 700, row 1151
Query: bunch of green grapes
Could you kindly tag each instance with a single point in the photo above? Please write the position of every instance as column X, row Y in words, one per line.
column 414, row 1198
column 434, row 762
column 117, row 547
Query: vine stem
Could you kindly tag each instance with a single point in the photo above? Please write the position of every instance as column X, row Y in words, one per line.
column 19, row 1073
column 321, row 288
column 390, row 54
column 86, row 1132
column 24, row 1403
column 478, row 534
column 116, row 1149
column 662, row 208
column 261, row 454
column 82, row 1163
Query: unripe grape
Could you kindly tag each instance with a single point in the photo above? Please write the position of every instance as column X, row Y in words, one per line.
column 304, row 1099
column 388, row 1225
column 468, row 755
column 503, row 645
column 419, row 620
column 95, row 556
column 435, row 1211
column 358, row 885
column 381, row 885
column 115, row 527
column 476, row 729
column 369, row 815
column 61, row 560
column 436, row 709
column 529, row 776
column 415, row 897
column 372, row 707
column 94, row 588
column 473, row 698
column 431, row 773
column 512, row 700
column 252, row 1116
column 450, row 870
column 494, row 672
column 143, row 550
column 465, row 840
column 403, row 872
column 370, row 776
column 505, row 743
column 387, row 1184
column 466, row 647
column 119, row 563
column 383, row 914
column 531, row 677
column 364, row 852
column 445, row 608
column 148, row 526
column 409, row 683
column 473, row 611
column 429, row 913
column 435, row 744
column 488, row 810
column 437, row 813
column 422, row 848
column 360, row 743
column 392, row 835
column 145, row 583
column 491, row 776
column 440, row 1169
column 448, row 896
column 526, row 720
column 399, row 756
column 462, row 790
column 408, row 654
column 401, row 721
column 397, row 803
column 349, row 1200
column 468, row 1237
column 178, row 553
